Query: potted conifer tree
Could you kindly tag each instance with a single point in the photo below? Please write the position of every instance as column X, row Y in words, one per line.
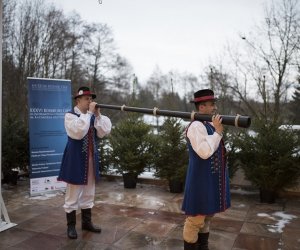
column 132, row 144
column 270, row 159
column 172, row 156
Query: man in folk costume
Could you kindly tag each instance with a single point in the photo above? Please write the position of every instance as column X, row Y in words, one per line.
column 207, row 183
column 80, row 163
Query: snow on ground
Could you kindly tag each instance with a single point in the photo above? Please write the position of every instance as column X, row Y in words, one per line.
column 145, row 174
column 241, row 191
column 240, row 205
column 281, row 218
column 45, row 196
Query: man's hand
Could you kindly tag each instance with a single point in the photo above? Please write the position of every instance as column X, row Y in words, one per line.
column 93, row 109
column 217, row 122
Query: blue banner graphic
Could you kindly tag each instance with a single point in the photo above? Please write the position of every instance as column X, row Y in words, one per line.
column 49, row 100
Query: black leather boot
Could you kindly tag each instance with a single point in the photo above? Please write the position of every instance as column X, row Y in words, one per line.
column 190, row 246
column 71, row 222
column 86, row 220
column 202, row 243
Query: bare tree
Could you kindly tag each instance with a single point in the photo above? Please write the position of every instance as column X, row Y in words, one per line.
column 51, row 42
column 157, row 83
column 270, row 58
column 41, row 41
column 21, row 45
column 101, row 55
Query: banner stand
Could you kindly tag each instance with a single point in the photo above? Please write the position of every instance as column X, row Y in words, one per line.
column 48, row 102
column 6, row 224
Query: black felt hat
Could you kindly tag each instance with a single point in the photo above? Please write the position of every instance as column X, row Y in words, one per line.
column 84, row 91
column 203, row 95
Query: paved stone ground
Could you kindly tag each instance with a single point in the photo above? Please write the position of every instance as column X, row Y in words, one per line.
column 147, row 217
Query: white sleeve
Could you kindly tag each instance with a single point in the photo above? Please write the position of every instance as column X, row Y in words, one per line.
column 77, row 127
column 203, row 144
column 102, row 125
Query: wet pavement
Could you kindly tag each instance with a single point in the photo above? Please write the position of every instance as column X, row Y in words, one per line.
column 147, row 217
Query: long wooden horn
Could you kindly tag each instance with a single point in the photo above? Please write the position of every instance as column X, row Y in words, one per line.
column 237, row 120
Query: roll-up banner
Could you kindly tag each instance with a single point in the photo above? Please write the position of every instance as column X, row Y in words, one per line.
column 49, row 100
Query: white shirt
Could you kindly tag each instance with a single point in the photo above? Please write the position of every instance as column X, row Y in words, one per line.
column 202, row 143
column 78, row 127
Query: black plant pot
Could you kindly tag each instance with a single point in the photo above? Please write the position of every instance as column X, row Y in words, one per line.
column 175, row 186
column 130, row 180
column 267, row 196
column 10, row 177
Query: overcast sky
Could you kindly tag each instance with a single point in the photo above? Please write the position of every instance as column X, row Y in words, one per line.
column 172, row 34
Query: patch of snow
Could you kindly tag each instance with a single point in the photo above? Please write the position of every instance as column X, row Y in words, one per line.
column 285, row 219
column 265, row 215
column 45, row 196
column 252, row 133
column 281, row 218
column 292, row 127
column 262, row 215
column 240, row 205
column 160, row 203
column 147, row 175
column 154, row 120
column 99, row 202
column 241, row 191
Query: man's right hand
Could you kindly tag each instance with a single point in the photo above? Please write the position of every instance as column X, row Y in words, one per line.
column 217, row 122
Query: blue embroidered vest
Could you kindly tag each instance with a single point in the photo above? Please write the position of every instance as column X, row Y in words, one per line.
column 207, row 183
column 75, row 161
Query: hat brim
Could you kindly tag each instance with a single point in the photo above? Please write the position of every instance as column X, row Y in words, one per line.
column 92, row 95
column 213, row 99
